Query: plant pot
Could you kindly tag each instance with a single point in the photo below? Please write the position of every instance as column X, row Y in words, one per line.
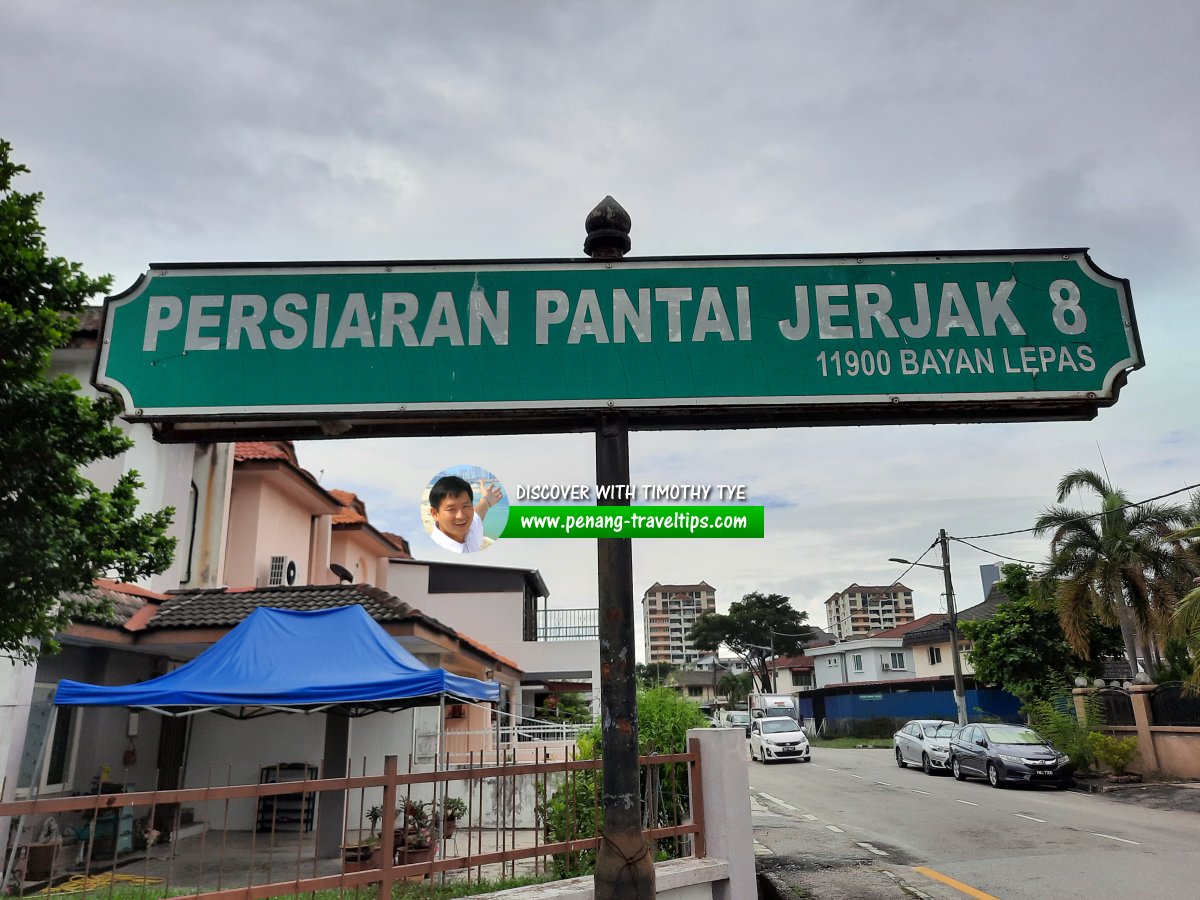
column 361, row 857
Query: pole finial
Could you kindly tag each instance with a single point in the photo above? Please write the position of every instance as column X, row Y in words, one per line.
column 607, row 230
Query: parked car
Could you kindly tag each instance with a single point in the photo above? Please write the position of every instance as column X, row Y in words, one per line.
column 1007, row 754
column 778, row 737
column 924, row 743
column 738, row 718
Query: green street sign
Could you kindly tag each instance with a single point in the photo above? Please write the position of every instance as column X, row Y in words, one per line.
column 547, row 345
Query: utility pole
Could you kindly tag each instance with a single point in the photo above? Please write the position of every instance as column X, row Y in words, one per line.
column 960, row 697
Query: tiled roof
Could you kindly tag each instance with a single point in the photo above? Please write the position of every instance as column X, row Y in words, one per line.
column 1117, row 670
column 985, row 610
column 899, row 630
column 400, row 541
column 353, row 511
column 702, row 586
column 223, row 608
column 124, row 600
column 935, row 630
column 283, row 450
column 793, row 662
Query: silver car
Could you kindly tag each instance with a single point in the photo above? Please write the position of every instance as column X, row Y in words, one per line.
column 924, row 743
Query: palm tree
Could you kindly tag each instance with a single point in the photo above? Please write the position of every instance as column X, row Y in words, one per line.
column 1187, row 615
column 1117, row 564
column 736, row 687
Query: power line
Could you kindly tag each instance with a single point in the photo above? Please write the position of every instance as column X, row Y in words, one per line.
column 1190, row 487
column 991, row 553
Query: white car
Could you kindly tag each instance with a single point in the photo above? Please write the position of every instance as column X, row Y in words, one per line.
column 924, row 743
column 778, row 737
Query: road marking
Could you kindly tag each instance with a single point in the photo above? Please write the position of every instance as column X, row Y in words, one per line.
column 874, row 850
column 954, row 883
column 884, row 783
column 810, row 817
column 830, row 768
column 968, row 802
column 1112, row 838
column 835, row 828
column 1030, row 818
column 852, row 775
column 776, row 801
column 926, row 793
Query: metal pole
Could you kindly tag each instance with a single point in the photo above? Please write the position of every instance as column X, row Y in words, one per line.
column 624, row 869
column 960, row 696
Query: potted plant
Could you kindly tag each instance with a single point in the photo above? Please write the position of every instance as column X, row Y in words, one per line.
column 374, row 814
column 453, row 809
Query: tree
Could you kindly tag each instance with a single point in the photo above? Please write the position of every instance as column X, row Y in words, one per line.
column 1116, row 564
column 654, row 674
column 754, row 626
column 1022, row 646
column 1186, row 624
column 736, row 687
column 58, row 531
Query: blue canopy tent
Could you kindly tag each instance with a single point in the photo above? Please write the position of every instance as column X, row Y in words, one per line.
column 337, row 661
column 282, row 660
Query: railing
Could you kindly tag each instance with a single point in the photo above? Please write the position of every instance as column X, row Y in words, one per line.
column 538, row 812
column 568, row 624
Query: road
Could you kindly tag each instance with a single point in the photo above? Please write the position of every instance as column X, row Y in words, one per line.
column 851, row 806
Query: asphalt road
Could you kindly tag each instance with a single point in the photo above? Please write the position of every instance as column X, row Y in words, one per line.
column 850, row 809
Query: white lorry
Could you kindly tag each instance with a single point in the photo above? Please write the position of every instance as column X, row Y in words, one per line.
column 762, row 705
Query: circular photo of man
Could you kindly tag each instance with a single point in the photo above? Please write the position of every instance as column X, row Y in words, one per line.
column 464, row 509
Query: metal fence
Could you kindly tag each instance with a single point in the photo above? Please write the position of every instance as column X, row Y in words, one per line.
column 1173, row 704
column 568, row 624
column 515, row 817
column 1116, row 706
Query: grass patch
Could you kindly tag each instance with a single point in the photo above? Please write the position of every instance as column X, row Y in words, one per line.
column 852, row 743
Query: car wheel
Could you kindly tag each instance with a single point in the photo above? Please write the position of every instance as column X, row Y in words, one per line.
column 994, row 776
column 926, row 766
column 956, row 770
column 900, row 759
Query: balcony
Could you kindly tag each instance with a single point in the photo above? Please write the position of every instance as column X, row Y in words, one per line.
column 568, row 624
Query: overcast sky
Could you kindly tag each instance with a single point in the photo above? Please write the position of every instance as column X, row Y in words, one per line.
column 225, row 131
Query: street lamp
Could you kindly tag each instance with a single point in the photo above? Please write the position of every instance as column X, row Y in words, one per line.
column 960, row 696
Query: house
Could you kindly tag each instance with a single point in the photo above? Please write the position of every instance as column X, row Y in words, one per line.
column 881, row 656
column 931, row 646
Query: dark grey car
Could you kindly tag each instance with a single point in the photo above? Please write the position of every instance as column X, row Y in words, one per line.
column 1007, row 754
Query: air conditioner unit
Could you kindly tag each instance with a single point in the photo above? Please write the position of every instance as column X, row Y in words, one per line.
column 283, row 571
column 886, row 667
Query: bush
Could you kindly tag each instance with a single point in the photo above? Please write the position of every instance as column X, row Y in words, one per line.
column 1114, row 752
column 1055, row 720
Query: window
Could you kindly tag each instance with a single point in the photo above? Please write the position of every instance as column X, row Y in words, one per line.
column 798, row 679
column 897, row 660
column 831, row 661
column 60, row 751
column 935, row 655
column 857, row 662
column 695, row 692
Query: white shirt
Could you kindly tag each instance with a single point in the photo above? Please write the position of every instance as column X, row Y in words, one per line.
column 473, row 543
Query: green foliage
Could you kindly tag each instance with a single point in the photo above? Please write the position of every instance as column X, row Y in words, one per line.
column 654, row 674
column 58, row 531
column 1054, row 719
column 877, row 727
column 1118, row 564
column 572, row 811
column 1022, row 647
column 566, row 707
column 736, row 687
column 754, row 625
column 1114, row 752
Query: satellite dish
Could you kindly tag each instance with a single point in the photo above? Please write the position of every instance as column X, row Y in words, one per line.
column 342, row 573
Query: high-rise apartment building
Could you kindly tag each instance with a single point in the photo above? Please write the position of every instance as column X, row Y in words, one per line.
column 863, row 608
column 668, row 612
